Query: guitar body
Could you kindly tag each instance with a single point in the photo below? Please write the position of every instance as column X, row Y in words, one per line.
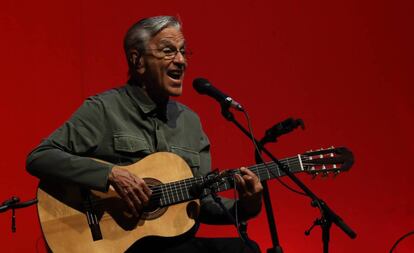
column 64, row 222
column 79, row 220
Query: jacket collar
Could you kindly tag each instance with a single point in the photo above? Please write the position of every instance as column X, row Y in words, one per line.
column 141, row 99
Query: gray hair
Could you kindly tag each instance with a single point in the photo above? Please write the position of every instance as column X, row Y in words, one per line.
column 141, row 32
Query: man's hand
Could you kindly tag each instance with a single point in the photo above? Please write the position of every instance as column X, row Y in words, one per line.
column 132, row 189
column 250, row 191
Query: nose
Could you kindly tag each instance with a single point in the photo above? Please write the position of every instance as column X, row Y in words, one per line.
column 179, row 58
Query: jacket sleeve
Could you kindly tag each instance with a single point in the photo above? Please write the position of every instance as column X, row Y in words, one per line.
column 63, row 155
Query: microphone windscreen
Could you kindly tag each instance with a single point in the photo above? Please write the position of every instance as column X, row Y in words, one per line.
column 201, row 84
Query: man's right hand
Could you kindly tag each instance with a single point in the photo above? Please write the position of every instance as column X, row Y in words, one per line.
column 132, row 189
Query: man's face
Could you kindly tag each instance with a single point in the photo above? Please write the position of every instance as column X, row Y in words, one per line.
column 163, row 67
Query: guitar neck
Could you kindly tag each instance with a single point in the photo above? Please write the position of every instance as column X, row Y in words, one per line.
column 184, row 190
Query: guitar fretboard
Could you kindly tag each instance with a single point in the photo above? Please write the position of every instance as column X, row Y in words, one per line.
column 188, row 189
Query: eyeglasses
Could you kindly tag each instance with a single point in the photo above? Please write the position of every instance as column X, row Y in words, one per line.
column 169, row 53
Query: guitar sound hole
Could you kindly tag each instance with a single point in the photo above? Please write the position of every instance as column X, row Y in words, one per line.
column 153, row 210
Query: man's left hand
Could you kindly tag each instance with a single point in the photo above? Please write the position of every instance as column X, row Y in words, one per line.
column 250, row 191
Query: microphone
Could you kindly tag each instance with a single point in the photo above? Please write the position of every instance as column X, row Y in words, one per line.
column 281, row 128
column 204, row 87
column 11, row 201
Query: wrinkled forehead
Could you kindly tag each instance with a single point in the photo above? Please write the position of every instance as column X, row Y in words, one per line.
column 169, row 36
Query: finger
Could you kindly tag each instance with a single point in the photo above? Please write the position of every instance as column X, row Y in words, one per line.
column 144, row 188
column 241, row 184
column 137, row 202
column 247, row 172
column 141, row 195
column 248, row 176
column 131, row 206
column 142, row 191
column 124, row 196
column 147, row 190
column 249, row 182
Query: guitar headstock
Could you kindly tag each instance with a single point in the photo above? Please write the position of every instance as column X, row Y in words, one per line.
column 326, row 161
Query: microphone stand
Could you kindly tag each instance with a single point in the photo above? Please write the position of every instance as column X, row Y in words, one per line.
column 14, row 203
column 271, row 136
column 199, row 191
column 242, row 227
column 328, row 215
column 277, row 248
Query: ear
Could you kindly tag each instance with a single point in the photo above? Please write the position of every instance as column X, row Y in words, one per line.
column 136, row 61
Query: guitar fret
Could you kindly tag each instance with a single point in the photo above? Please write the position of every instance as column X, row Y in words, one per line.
column 180, row 187
column 176, row 191
column 172, row 192
column 300, row 163
column 205, row 190
column 288, row 165
column 177, row 195
column 279, row 172
column 268, row 174
column 225, row 186
column 186, row 189
column 162, row 197
column 256, row 171
column 181, row 191
column 168, row 194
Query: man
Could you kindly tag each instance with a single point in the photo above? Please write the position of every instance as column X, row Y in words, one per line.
column 123, row 125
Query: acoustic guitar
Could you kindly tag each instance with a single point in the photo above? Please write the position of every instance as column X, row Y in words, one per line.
column 79, row 220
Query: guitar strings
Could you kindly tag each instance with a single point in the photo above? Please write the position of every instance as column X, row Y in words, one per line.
column 263, row 170
column 260, row 170
column 175, row 191
column 177, row 187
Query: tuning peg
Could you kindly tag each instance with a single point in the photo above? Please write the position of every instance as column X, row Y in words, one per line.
column 324, row 172
column 315, row 175
column 336, row 173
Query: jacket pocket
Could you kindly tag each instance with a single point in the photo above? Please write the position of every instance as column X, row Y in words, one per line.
column 191, row 157
column 130, row 143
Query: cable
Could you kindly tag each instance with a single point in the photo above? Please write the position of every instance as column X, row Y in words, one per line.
column 400, row 239
column 261, row 157
column 242, row 235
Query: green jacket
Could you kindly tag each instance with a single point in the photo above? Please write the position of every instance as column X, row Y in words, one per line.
column 121, row 126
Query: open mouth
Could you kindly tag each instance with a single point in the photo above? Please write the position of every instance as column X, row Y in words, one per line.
column 175, row 74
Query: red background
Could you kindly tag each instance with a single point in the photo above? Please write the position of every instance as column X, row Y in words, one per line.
column 344, row 67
